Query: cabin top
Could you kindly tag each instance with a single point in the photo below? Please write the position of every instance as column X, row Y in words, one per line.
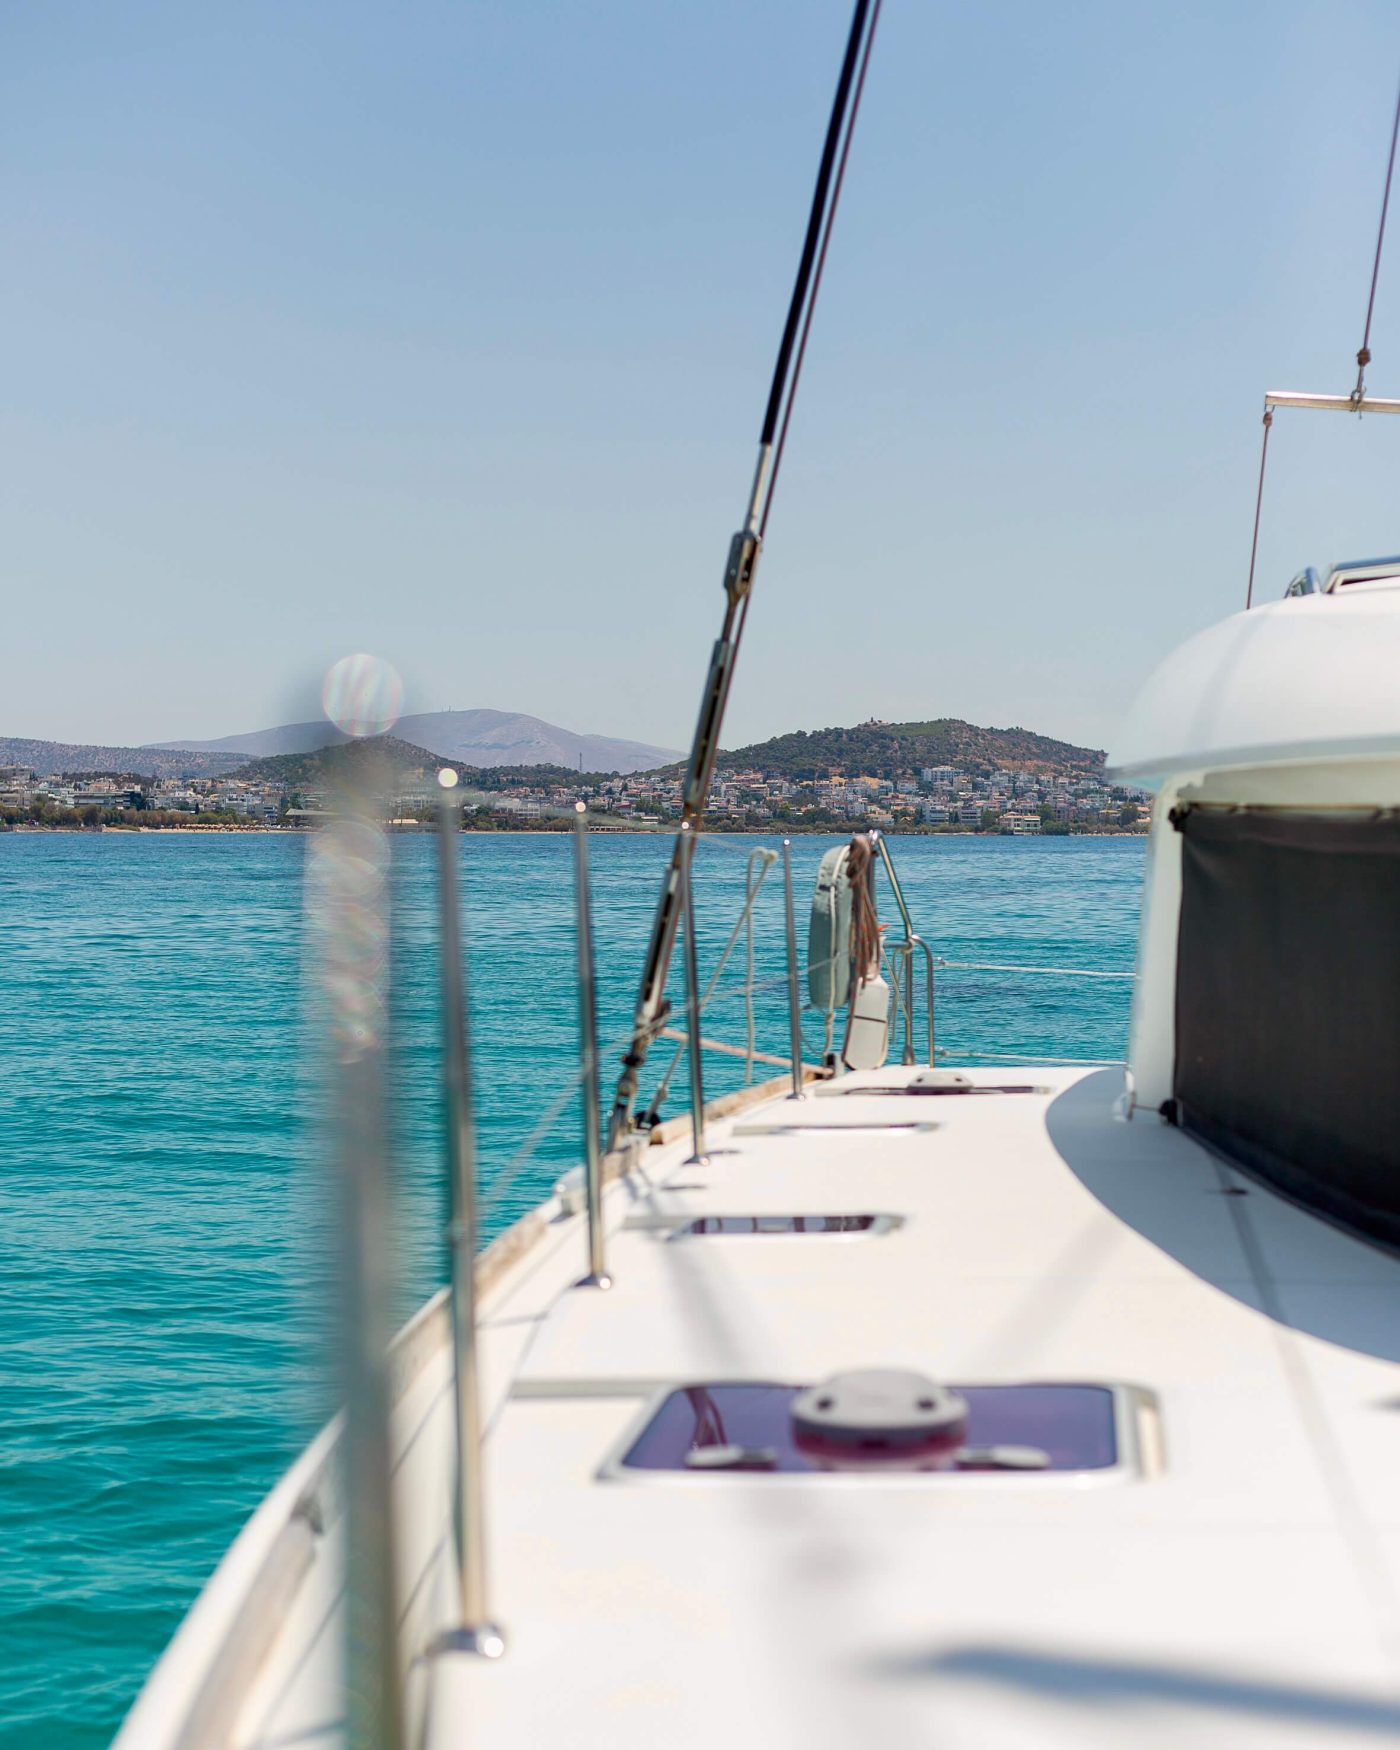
column 1309, row 677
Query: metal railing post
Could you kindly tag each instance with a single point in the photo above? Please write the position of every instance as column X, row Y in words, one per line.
column 794, row 998
column 350, row 915
column 895, row 887
column 928, row 974
column 474, row 1632
column 907, row 1057
column 698, row 1157
column 597, row 1276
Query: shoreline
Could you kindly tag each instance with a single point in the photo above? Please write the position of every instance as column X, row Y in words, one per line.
column 632, row 832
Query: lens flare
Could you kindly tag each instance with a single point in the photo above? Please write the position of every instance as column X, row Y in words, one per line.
column 362, row 695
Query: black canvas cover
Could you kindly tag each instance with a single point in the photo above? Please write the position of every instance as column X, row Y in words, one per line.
column 1288, row 1003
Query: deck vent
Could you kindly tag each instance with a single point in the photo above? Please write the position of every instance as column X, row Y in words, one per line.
column 781, row 1224
column 871, row 1430
column 879, row 1412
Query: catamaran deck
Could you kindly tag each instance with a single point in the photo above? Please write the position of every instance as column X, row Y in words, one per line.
column 1236, row 1582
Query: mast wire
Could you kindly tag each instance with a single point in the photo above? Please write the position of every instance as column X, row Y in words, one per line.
column 1258, row 505
column 811, row 302
column 815, row 220
column 1363, row 357
column 744, row 551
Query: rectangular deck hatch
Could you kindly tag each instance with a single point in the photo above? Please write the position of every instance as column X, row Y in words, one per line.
column 927, row 1090
column 832, row 1124
column 694, row 1429
column 781, row 1224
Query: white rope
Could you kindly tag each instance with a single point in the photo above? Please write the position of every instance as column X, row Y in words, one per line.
column 749, row 1055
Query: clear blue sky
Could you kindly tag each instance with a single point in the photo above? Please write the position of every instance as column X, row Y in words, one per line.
column 443, row 331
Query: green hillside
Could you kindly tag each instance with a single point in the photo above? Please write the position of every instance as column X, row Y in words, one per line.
column 402, row 760
column 327, row 765
column 885, row 750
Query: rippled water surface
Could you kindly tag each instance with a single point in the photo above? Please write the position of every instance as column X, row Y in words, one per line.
column 161, row 1188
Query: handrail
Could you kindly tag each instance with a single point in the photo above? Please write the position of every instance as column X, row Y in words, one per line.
column 919, row 942
column 907, row 1007
column 906, row 947
column 895, row 888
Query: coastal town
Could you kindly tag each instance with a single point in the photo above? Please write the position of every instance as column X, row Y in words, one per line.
column 941, row 798
column 934, row 798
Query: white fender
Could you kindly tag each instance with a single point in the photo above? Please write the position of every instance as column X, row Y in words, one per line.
column 868, row 1026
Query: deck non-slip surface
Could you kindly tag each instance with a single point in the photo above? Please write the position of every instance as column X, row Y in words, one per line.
column 1247, row 1593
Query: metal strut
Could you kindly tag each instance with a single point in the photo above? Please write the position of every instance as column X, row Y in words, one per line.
column 1358, row 401
column 744, row 548
column 1325, row 403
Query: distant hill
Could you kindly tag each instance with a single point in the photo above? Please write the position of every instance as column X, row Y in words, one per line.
column 503, row 750
column 45, row 757
column 472, row 738
column 319, row 766
column 883, row 749
column 323, row 765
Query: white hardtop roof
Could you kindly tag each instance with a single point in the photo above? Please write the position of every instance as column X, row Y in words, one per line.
column 1313, row 677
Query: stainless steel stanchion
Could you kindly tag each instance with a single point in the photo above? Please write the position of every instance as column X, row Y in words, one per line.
column 698, row 1157
column 794, row 998
column 474, row 1631
column 597, row 1276
column 349, row 917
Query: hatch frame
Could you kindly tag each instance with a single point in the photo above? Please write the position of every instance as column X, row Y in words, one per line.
column 1137, row 1430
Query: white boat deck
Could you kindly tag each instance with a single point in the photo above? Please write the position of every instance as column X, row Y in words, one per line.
column 1244, row 1591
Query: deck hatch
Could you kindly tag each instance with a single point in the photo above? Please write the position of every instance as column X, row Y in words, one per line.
column 729, row 1225
column 844, row 1124
column 926, row 1090
column 695, row 1427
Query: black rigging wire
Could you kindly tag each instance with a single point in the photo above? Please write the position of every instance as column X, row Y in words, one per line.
column 1258, row 506
column 1363, row 357
column 817, row 272
column 814, row 220
column 746, row 546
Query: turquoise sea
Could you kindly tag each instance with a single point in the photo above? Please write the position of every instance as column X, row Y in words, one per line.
column 163, row 1243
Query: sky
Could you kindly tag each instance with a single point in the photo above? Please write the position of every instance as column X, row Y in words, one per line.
column 443, row 331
